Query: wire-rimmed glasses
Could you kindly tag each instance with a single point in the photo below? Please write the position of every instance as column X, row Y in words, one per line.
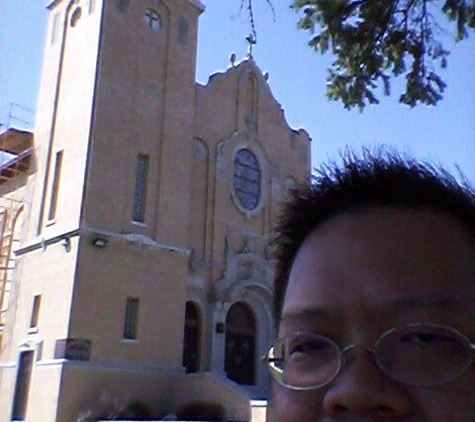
column 416, row 354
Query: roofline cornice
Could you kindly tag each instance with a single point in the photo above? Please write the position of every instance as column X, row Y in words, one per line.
column 198, row 4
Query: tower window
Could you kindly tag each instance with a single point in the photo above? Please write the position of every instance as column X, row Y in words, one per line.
column 55, row 28
column 123, row 6
column 35, row 313
column 152, row 20
column 92, row 5
column 55, row 188
column 75, row 16
column 140, row 194
column 131, row 318
column 183, row 30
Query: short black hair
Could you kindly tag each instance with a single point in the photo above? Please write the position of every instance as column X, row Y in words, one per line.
column 359, row 182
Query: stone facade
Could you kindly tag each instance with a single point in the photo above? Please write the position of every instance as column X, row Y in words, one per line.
column 149, row 216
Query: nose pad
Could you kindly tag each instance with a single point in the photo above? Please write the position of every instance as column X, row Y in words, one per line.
column 349, row 354
column 361, row 387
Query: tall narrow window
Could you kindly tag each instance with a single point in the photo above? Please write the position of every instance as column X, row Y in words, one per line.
column 140, row 194
column 35, row 313
column 123, row 5
column 55, row 188
column 183, row 30
column 131, row 318
column 55, row 28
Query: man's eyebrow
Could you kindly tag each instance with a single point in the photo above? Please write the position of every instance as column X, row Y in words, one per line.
column 306, row 314
column 405, row 304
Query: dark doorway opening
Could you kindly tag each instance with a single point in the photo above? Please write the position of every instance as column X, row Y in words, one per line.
column 192, row 338
column 240, row 344
column 22, row 385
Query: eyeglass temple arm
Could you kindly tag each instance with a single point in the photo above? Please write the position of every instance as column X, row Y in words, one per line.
column 268, row 359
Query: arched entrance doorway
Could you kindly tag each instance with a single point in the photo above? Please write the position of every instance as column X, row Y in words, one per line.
column 191, row 338
column 240, row 344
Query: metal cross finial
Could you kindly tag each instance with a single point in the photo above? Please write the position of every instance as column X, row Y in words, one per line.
column 251, row 39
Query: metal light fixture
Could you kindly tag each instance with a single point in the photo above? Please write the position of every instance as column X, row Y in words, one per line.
column 66, row 242
column 100, row 242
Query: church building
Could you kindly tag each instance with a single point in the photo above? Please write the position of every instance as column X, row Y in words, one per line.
column 136, row 222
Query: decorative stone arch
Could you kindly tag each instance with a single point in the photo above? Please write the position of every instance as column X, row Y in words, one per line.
column 199, row 183
column 248, row 98
column 192, row 337
column 259, row 298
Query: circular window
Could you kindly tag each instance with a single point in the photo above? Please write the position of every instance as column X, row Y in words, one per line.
column 75, row 16
column 152, row 20
column 247, row 179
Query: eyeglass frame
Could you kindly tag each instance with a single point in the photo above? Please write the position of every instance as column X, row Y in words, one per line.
column 344, row 351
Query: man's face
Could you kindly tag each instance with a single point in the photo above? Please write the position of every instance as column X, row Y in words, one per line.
column 357, row 276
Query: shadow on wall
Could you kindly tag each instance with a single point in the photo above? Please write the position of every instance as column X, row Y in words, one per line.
column 194, row 411
column 201, row 411
column 135, row 411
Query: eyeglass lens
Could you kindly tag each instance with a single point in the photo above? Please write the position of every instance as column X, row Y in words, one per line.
column 419, row 354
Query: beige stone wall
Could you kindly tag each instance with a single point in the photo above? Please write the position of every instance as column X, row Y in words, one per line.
column 104, row 280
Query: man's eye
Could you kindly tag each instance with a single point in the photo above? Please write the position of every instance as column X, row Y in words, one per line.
column 420, row 337
column 308, row 347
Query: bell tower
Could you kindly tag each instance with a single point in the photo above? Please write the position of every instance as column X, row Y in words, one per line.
column 118, row 82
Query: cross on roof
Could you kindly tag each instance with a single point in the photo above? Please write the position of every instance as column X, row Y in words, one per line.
column 251, row 39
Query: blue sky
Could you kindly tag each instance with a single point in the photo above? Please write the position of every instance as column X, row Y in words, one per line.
column 444, row 134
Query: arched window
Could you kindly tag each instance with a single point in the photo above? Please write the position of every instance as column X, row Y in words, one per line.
column 191, row 338
column 76, row 15
column 152, row 20
column 247, row 179
column 240, row 344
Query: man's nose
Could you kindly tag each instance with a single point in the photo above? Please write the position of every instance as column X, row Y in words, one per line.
column 362, row 389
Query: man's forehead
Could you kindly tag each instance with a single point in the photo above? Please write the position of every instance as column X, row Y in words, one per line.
column 403, row 305
column 403, row 227
column 400, row 260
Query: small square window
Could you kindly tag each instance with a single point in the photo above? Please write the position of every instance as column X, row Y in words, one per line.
column 131, row 318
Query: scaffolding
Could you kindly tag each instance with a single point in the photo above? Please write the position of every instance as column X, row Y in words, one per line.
column 16, row 150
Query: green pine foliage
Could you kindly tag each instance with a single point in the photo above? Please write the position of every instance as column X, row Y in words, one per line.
column 373, row 40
